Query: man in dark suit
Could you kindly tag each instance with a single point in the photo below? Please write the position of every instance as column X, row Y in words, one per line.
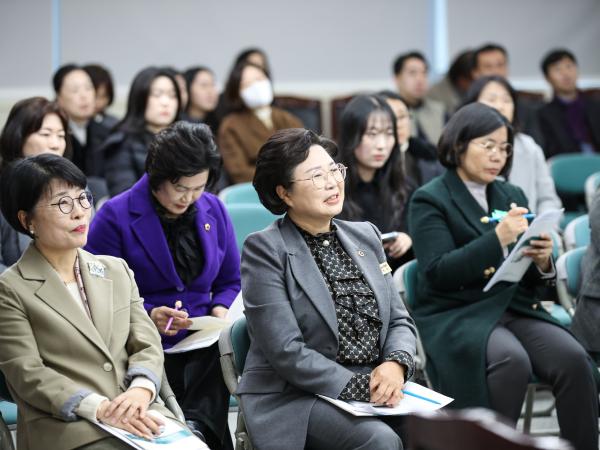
column 570, row 123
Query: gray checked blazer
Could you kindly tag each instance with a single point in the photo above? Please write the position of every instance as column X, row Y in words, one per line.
column 293, row 327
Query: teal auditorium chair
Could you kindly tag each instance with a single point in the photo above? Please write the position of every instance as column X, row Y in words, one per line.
column 577, row 233
column 239, row 193
column 592, row 183
column 248, row 218
column 8, row 416
column 568, row 277
column 570, row 172
column 233, row 347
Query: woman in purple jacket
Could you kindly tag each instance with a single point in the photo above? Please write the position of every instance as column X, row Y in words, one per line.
column 180, row 243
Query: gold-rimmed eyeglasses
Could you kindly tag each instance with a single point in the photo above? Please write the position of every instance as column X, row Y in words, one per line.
column 319, row 177
column 491, row 147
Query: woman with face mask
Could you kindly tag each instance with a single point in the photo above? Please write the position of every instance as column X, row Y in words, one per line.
column 152, row 106
column 249, row 95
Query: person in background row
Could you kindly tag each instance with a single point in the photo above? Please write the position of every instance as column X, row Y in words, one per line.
column 570, row 123
column 529, row 170
column 77, row 347
column 376, row 188
column 75, row 94
column 492, row 59
column 484, row 347
column 249, row 94
column 452, row 88
column 105, row 93
column 419, row 157
column 323, row 314
column 153, row 105
column 203, row 97
column 34, row 126
column 180, row 243
column 428, row 116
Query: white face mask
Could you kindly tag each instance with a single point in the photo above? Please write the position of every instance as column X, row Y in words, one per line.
column 258, row 94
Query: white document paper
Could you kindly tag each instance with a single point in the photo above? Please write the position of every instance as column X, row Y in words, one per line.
column 417, row 398
column 209, row 328
column 515, row 265
column 174, row 437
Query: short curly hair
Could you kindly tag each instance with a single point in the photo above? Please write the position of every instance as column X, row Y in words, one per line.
column 278, row 158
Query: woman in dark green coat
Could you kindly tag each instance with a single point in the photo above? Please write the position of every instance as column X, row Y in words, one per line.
column 483, row 347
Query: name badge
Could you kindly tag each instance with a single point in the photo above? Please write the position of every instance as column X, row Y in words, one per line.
column 385, row 268
column 96, row 269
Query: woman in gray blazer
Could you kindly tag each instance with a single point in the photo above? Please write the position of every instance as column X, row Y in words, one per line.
column 323, row 314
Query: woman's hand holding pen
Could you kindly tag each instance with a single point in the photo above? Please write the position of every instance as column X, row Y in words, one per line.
column 540, row 250
column 399, row 246
column 387, row 381
column 511, row 226
column 161, row 315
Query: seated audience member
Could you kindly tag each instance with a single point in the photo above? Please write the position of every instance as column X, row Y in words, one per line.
column 587, row 312
column 484, row 347
column 65, row 355
column 76, row 96
column 529, row 170
column 34, row 126
column 419, row 157
column 105, row 94
column 249, row 94
column 203, row 97
column 180, row 243
column 451, row 89
column 492, row 59
column 570, row 123
column 376, row 188
column 153, row 105
column 428, row 116
column 323, row 314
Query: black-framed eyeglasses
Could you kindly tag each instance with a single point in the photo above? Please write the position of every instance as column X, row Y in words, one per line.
column 67, row 203
column 491, row 147
column 320, row 177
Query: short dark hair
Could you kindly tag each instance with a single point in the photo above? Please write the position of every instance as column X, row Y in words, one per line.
column 231, row 94
column 24, row 181
column 554, row 56
column 278, row 158
column 135, row 118
column 478, row 85
column 471, row 122
column 489, row 47
column 101, row 77
column 244, row 54
column 401, row 59
column 461, row 67
column 25, row 118
column 183, row 149
column 59, row 76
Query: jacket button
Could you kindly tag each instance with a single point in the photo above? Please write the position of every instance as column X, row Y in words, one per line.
column 180, row 288
column 486, row 273
column 492, row 270
column 534, row 306
column 107, row 367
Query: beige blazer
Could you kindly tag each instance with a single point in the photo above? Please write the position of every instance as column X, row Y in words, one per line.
column 52, row 355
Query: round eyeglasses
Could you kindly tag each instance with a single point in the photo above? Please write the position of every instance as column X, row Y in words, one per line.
column 320, row 177
column 491, row 147
column 66, row 204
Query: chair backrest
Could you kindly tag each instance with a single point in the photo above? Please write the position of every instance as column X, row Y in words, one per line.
column 337, row 107
column 592, row 183
column 239, row 193
column 234, row 343
column 570, row 171
column 472, row 429
column 410, row 283
column 568, row 277
column 248, row 218
column 557, row 244
column 308, row 110
column 578, row 233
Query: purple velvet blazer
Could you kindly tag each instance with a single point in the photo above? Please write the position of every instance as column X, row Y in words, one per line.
column 128, row 227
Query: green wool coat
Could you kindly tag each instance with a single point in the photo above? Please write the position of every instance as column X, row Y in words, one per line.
column 456, row 256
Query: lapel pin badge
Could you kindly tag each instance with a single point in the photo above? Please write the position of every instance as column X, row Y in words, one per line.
column 361, row 253
column 207, row 226
column 96, row 269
